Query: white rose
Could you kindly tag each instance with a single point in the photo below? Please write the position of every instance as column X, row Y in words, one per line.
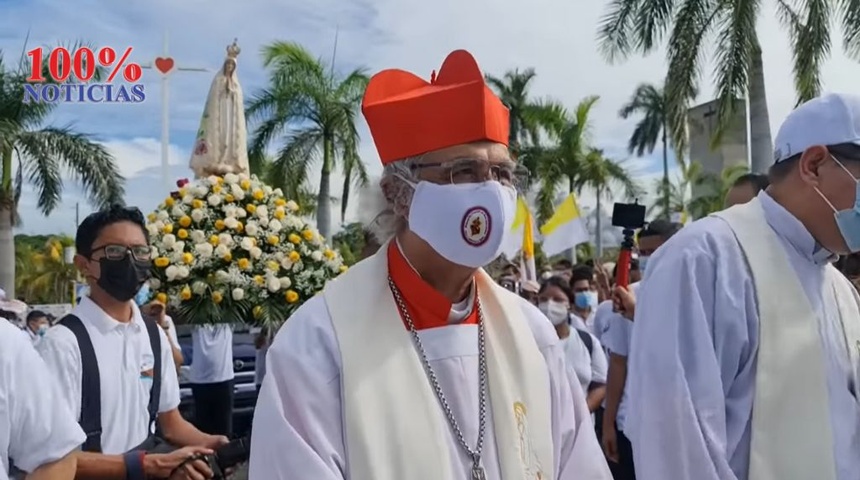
column 171, row 272
column 264, row 222
column 278, row 192
column 212, row 179
column 267, row 190
column 168, row 240
column 241, row 213
column 247, row 243
column 225, row 239
column 177, row 211
column 256, row 253
column 214, row 199
column 221, row 250
column 238, row 294
column 231, row 178
column 222, row 276
column 201, row 191
column 197, row 236
column 154, row 283
column 199, row 288
column 262, row 211
column 197, row 215
column 317, row 255
column 182, row 272
column 154, row 251
column 179, row 246
column 293, row 206
column 273, row 284
column 188, row 199
column 285, row 282
column 275, row 226
column 231, row 222
column 237, row 192
column 204, row 250
column 251, row 229
column 162, row 215
column 153, row 228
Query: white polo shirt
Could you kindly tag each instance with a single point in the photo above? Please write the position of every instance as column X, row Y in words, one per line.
column 123, row 353
column 36, row 427
column 212, row 354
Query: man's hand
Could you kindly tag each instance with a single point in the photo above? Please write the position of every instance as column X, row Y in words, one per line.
column 602, row 280
column 163, row 465
column 624, row 302
column 610, row 443
column 215, row 441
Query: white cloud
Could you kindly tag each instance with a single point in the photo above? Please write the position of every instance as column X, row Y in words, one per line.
column 556, row 37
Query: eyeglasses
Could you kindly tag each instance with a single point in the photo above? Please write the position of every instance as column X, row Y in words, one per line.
column 119, row 252
column 467, row 170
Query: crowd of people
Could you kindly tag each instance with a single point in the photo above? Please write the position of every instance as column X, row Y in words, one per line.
column 733, row 354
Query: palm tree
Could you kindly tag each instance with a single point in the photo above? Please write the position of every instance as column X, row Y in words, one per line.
column 312, row 110
column 266, row 169
column 46, row 277
column 42, row 155
column 712, row 189
column 527, row 117
column 638, row 26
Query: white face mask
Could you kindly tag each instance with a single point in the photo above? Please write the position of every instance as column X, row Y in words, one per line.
column 556, row 312
column 465, row 223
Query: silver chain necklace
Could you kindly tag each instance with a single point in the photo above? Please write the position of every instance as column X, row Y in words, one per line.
column 477, row 469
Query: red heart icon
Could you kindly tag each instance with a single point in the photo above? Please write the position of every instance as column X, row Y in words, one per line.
column 164, row 65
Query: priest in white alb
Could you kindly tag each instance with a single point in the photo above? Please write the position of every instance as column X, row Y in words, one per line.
column 415, row 364
column 746, row 342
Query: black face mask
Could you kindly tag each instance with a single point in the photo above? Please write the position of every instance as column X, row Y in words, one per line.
column 121, row 279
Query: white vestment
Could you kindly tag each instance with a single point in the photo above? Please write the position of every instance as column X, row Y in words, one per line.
column 301, row 430
column 697, row 342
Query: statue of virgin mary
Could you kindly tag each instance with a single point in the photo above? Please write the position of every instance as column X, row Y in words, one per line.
column 221, row 145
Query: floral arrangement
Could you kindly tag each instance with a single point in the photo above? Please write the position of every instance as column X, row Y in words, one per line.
column 229, row 249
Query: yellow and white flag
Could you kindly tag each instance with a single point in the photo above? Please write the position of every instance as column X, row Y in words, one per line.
column 513, row 241
column 680, row 217
column 527, row 261
column 565, row 229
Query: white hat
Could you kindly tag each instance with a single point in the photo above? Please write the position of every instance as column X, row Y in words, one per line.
column 826, row 120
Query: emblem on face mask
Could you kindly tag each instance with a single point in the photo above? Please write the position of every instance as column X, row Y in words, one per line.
column 476, row 226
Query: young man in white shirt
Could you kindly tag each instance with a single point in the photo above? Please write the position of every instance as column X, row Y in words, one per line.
column 211, row 378
column 37, row 325
column 37, row 430
column 102, row 355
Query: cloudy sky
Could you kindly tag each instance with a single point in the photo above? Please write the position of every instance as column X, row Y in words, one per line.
column 556, row 37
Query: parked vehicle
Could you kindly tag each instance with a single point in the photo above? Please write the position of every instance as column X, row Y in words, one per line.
column 245, row 390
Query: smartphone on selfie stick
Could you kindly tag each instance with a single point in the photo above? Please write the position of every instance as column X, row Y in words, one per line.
column 630, row 217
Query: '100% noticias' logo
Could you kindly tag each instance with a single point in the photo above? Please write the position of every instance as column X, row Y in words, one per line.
column 73, row 79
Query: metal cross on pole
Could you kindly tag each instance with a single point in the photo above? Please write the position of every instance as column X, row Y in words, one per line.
column 165, row 65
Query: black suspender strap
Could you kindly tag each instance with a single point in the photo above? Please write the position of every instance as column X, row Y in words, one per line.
column 587, row 340
column 91, row 401
column 155, row 394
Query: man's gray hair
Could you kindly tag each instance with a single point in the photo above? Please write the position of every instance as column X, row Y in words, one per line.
column 384, row 205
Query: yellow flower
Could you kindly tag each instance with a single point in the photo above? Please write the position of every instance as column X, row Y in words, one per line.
column 257, row 311
column 293, row 238
column 162, row 262
column 273, row 239
column 182, row 192
column 152, row 217
column 217, row 297
column 259, row 280
column 309, row 235
column 182, row 234
column 219, row 224
column 185, row 221
column 167, row 228
column 169, row 201
column 273, row 265
column 188, row 258
column 228, row 257
column 258, row 194
column 220, row 180
column 161, row 297
column 239, row 227
column 213, row 240
column 197, row 203
column 279, row 213
column 245, row 184
column 291, row 296
column 228, row 198
column 216, row 188
column 280, row 202
column 251, row 208
column 294, row 256
column 185, row 294
column 343, row 268
column 329, row 253
column 243, row 264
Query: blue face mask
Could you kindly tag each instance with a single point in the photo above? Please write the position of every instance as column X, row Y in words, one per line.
column 142, row 295
column 848, row 220
column 585, row 300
